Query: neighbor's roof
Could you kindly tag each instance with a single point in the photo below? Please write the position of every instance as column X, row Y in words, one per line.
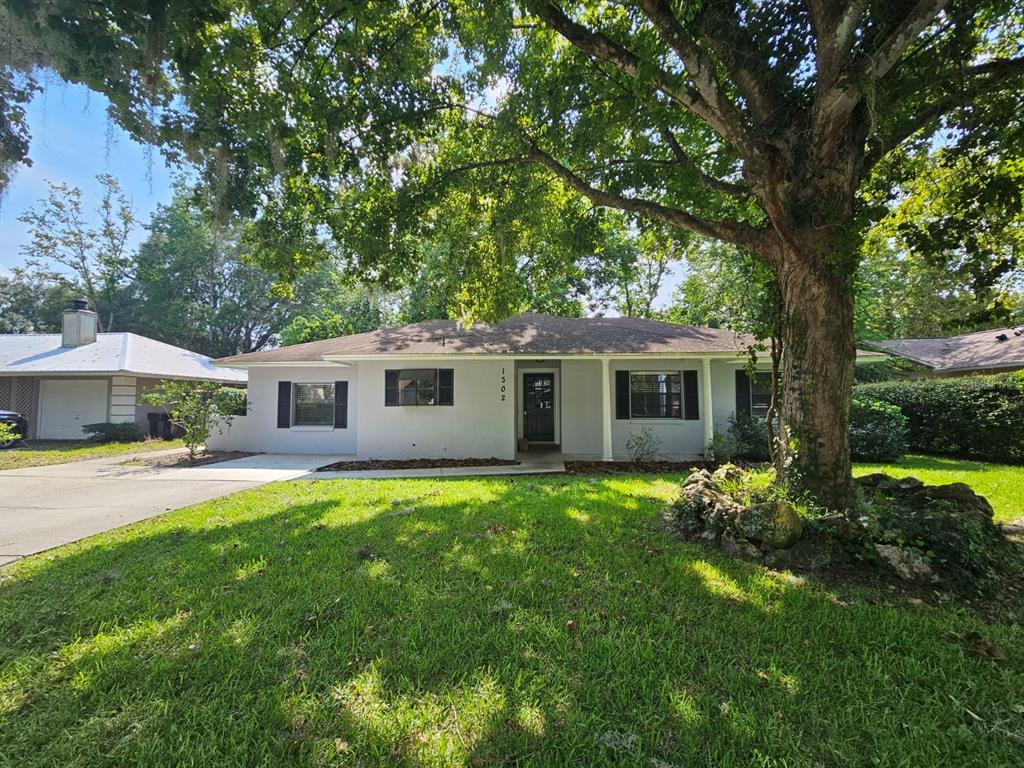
column 112, row 353
column 527, row 334
column 995, row 349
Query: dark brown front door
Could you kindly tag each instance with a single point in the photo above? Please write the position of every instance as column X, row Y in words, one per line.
column 539, row 406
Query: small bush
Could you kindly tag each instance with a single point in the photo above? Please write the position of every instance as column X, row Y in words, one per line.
column 8, row 434
column 720, row 448
column 234, row 401
column 108, row 432
column 878, row 431
column 749, row 437
column 976, row 416
column 643, row 445
column 194, row 406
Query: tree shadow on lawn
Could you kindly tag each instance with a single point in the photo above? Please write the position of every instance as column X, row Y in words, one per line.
column 529, row 621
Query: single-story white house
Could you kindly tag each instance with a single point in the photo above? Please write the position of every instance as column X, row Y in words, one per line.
column 437, row 389
column 63, row 381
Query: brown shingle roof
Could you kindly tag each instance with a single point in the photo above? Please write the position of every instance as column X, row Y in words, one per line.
column 984, row 350
column 530, row 334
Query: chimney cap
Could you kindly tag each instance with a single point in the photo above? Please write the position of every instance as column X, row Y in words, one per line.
column 78, row 304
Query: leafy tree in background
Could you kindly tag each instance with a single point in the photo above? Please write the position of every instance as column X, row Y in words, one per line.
column 949, row 256
column 752, row 123
column 30, row 303
column 195, row 288
column 339, row 309
column 98, row 256
column 630, row 265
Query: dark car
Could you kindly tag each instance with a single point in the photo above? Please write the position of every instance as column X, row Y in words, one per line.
column 17, row 421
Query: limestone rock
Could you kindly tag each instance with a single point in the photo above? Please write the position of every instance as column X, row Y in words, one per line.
column 727, row 473
column 907, row 564
column 775, row 524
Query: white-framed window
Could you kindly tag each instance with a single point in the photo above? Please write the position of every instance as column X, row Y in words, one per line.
column 313, row 405
column 760, row 394
column 655, row 395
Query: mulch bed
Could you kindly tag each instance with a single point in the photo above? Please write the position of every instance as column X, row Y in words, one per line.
column 182, row 460
column 632, row 467
column 355, row 466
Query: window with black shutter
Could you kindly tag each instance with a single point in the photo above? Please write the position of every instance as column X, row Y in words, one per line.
column 655, row 395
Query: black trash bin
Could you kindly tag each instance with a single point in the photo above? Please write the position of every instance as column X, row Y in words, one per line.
column 159, row 425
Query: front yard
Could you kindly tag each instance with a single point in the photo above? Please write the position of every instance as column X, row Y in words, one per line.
column 530, row 621
column 38, row 453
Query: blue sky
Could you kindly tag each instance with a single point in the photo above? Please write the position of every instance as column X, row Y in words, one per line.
column 70, row 144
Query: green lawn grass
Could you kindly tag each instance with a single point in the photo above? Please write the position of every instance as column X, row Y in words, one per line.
column 498, row 621
column 1001, row 484
column 38, row 453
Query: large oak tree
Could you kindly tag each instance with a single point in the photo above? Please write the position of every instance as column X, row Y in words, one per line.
column 754, row 123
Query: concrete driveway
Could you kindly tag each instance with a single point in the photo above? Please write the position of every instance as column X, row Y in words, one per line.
column 44, row 507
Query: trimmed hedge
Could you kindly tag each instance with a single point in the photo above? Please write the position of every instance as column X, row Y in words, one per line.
column 878, row 432
column 109, row 432
column 975, row 416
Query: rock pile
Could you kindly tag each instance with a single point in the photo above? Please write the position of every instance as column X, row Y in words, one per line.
column 929, row 535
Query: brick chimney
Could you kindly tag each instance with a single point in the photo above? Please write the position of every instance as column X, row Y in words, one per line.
column 78, row 325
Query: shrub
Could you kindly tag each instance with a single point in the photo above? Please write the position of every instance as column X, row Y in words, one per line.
column 720, row 448
column 109, row 432
column 643, row 445
column 194, row 406
column 234, row 399
column 749, row 436
column 8, row 434
column 878, row 430
column 976, row 416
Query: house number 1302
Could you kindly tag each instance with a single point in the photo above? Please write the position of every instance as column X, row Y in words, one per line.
column 503, row 385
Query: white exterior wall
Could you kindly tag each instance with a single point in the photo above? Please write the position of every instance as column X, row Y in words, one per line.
column 580, row 399
column 261, row 429
column 479, row 425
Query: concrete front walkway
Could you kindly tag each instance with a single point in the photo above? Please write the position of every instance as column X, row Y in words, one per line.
column 44, row 507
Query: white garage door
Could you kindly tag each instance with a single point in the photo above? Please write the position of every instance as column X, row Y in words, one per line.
column 67, row 404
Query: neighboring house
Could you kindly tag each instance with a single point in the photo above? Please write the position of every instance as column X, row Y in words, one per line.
column 436, row 389
column 995, row 351
column 63, row 381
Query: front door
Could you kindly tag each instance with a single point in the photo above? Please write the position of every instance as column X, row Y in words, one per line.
column 539, row 407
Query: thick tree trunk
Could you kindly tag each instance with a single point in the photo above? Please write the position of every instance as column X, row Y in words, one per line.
column 817, row 379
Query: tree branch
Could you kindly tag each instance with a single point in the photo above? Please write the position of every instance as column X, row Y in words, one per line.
column 712, row 182
column 982, row 78
column 698, row 64
column 735, row 232
column 600, row 47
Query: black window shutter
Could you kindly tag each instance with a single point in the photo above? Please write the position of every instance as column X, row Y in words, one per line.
column 622, row 394
column 340, row 404
column 284, row 404
column 446, row 386
column 742, row 393
column 691, row 405
column 390, row 387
